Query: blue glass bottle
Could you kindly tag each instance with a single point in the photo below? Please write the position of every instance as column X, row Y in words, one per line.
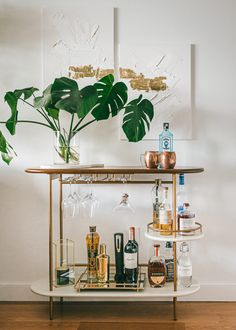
column 166, row 139
column 181, row 194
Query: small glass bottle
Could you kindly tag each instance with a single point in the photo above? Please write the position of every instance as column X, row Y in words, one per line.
column 156, row 269
column 92, row 241
column 169, row 259
column 165, row 215
column 166, row 139
column 184, row 267
column 156, row 202
column 186, row 220
column 103, row 265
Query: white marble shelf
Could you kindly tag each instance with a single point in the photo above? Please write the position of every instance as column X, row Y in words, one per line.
column 41, row 287
column 155, row 236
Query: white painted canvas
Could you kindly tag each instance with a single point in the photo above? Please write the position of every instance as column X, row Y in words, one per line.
column 78, row 43
column 146, row 69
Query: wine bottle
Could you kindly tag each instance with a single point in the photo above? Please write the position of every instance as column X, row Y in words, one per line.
column 131, row 258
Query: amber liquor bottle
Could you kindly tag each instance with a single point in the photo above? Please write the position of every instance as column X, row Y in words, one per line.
column 157, row 269
column 92, row 242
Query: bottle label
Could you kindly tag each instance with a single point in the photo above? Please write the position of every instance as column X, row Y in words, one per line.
column 165, row 217
column 157, row 279
column 131, row 260
column 170, row 269
column 184, row 270
column 186, row 223
column 166, row 144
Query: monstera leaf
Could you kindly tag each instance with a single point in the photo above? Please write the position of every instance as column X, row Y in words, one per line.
column 111, row 98
column 137, row 117
column 45, row 101
column 5, row 149
column 12, row 99
column 67, row 96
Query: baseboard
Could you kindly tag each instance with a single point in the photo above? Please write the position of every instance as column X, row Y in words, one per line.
column 208, row 292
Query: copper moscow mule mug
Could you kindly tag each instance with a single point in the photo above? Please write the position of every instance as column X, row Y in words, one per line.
column 150, row 159
column 166, row 160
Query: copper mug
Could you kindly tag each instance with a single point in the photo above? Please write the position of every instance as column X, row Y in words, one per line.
column 166, row 160
column 150, row 159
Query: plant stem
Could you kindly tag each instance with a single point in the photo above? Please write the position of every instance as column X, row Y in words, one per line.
column 69, row 138
column 25, row 121
column 88, row 123
column 79, row 122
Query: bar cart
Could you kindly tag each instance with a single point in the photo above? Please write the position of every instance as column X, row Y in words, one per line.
column 116, row 175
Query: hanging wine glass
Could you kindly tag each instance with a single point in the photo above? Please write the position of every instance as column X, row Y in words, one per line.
column 124, row 206
column 90, row 202
column 76, row 195
column 68, row 205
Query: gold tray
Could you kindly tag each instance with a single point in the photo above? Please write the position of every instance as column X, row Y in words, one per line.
column 82, row 283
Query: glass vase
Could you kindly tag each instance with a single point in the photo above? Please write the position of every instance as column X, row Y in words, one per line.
column 66, row 148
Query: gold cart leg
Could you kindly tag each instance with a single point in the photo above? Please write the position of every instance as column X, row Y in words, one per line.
column 174, row 244
column 50, row 248
column 174, row 308
column 51, row 308
column 61, row 224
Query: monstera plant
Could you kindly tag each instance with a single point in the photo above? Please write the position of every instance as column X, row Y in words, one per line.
column 92, row 103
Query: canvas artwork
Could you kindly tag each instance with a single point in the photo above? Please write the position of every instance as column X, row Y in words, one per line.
column 162, row 73
column 77, row 43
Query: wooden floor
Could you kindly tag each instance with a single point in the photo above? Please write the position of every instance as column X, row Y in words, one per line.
column 195, row 315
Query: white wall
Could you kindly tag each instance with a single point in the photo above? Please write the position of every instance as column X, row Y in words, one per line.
column 210, row 26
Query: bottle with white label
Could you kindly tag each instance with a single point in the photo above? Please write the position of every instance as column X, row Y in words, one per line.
column 181, row 194
column 184, row 267
column 186, row 221
column 131, row 258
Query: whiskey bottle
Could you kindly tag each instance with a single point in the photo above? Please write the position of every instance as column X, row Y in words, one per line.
column 131, row 258
column 92, row 242
column 165, row 139
column 169, row 260
column 156, row 201
column 156, row 269
column 184, row 267
column 165, row 215
column 103, row 265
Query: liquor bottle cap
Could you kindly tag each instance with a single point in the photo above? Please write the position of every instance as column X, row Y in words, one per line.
column 184, row 247
column 92, row 229
column 186, row 204
column 166, row 126
column 181, row 179
column 169, row 245
column 103, row 248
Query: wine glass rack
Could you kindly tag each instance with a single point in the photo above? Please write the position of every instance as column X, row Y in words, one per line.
column 115, row 175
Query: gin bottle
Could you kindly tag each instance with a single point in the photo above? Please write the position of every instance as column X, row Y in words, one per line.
column 169, row 259
column 165, row 139
column 184, row 267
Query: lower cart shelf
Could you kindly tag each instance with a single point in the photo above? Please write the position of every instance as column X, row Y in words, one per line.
column 41, row 287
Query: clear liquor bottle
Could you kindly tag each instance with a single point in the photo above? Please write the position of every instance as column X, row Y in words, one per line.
column 165, row 139
column 131, row 258
column 169, row 259
column 165, row 215
column 92, row 242
column 184, row 267
column 157, row 269
column 181, row 194
column 156, row 202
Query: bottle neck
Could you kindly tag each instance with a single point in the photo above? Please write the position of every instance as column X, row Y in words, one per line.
column 156, row 251
column 131, row 234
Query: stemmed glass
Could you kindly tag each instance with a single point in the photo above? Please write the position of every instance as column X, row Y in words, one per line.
column 89, row 202
column 69, row 205
column 124, row 206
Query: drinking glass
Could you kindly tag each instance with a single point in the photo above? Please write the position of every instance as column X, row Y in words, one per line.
column 90, row 204
column 68, row 205
column 124, row 206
